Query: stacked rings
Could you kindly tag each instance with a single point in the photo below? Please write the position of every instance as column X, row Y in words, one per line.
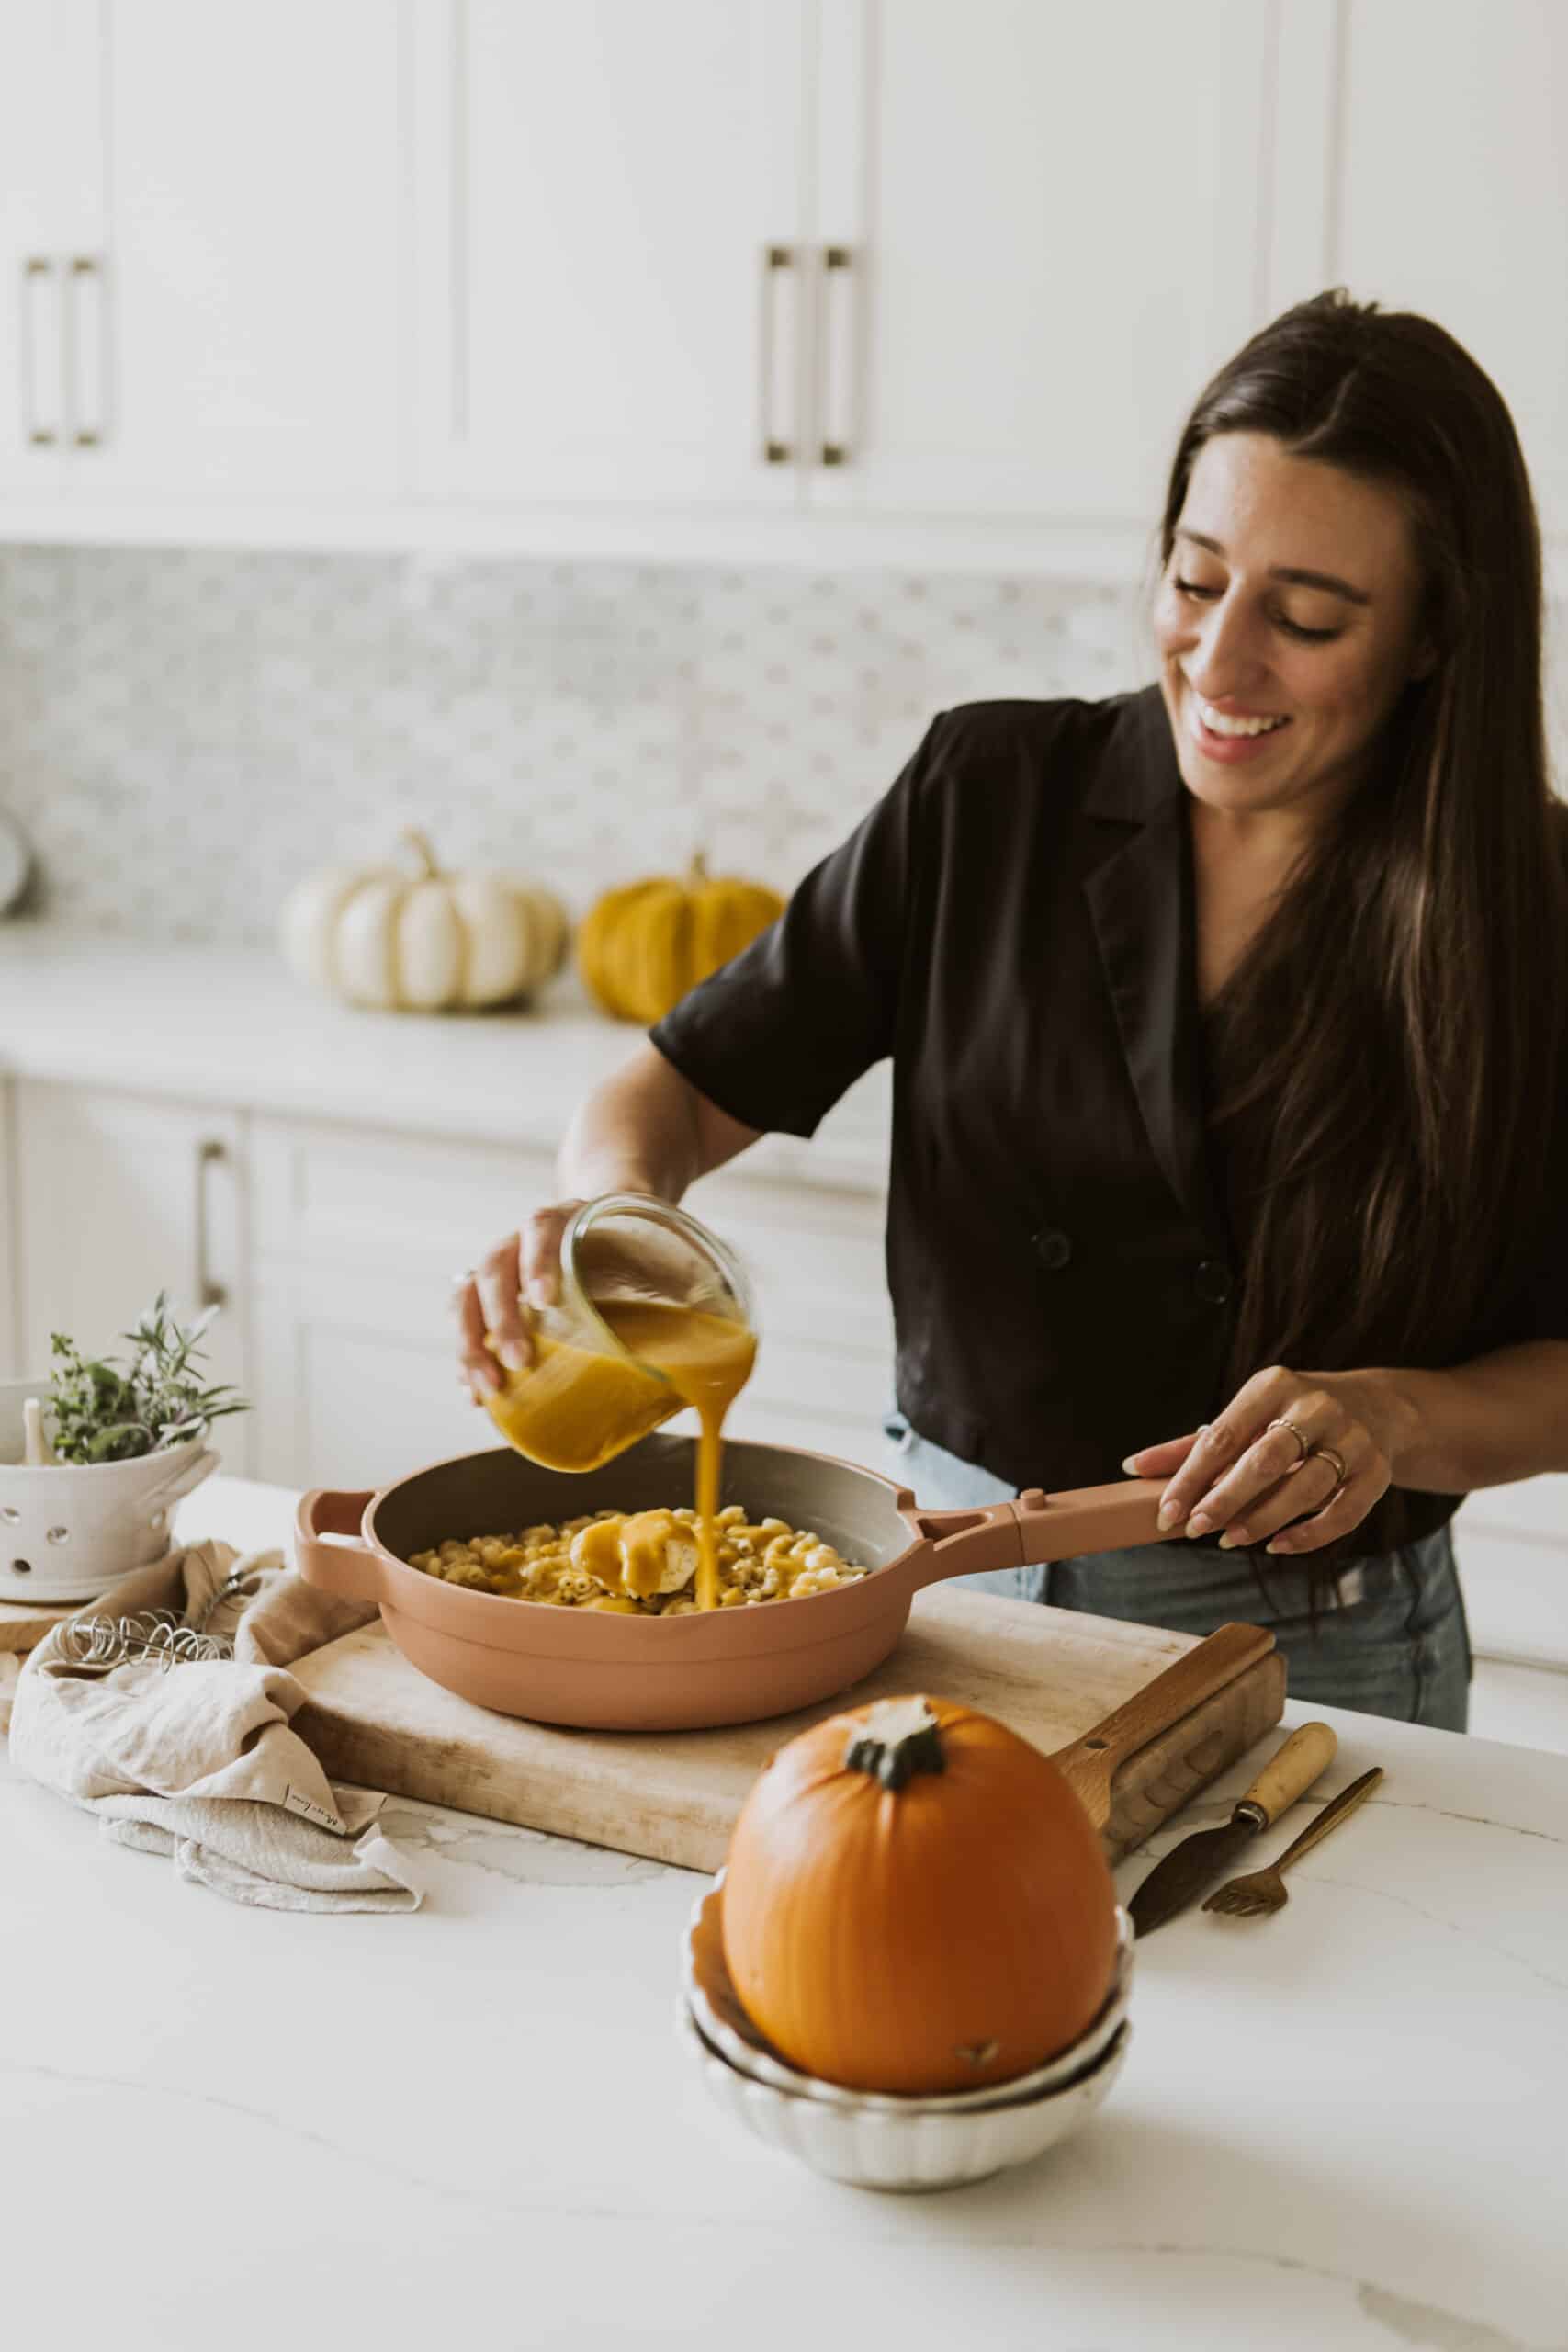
column 1328, row 1454
column 1325, row 1452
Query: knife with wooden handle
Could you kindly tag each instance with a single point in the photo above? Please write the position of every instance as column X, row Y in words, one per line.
column 1189, row 1867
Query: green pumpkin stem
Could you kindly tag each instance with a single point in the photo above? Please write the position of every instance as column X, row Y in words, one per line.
column 896, row 1739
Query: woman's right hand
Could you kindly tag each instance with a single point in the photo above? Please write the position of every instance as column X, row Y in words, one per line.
column 493, row 1334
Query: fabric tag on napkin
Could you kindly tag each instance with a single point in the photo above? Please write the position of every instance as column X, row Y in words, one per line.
column 199, row 1760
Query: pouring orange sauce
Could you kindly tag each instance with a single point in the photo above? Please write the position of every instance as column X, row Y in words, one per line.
column 575, row 1408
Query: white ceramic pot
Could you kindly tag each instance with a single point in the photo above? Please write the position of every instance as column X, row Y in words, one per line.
column 67, row 1529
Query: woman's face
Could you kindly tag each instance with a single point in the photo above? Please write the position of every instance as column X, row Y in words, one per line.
column 1291, row 596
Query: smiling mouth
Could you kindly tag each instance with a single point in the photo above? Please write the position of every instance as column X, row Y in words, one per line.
column 1238, row 729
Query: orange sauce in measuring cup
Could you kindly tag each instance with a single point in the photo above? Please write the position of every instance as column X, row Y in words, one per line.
column 575, row 1408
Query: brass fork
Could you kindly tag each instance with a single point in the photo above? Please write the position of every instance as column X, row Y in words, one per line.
column 1261, row 1892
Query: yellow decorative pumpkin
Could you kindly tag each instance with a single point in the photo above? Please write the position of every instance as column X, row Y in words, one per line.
column 915, row 1901
column 422, row 941
column 643, row 946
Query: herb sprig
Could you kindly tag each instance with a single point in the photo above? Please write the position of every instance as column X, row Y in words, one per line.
column 107, row 1411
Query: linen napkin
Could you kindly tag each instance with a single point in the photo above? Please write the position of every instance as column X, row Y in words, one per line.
column 199, row 1760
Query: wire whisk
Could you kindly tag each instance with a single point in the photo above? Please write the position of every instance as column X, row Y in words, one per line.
column 152, row 1636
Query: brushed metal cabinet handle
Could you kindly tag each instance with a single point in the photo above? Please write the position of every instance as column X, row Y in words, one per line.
column 778, row 261
column 84, row 277
column 838, row 261
column 38, row 277
column 210, row 1152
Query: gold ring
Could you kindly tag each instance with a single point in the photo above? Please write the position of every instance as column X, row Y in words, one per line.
column 1326, row 1454
column 1305, row 1448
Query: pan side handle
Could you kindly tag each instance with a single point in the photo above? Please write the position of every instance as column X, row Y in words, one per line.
column 323, row 1520
column 963, row 1542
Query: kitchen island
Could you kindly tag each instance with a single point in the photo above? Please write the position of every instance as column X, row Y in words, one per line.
column 1341, row 2130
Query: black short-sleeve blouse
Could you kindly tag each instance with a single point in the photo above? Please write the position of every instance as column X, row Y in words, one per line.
column 1013, row 923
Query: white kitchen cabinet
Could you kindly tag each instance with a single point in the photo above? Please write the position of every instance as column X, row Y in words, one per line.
column 200, row 210
column 1511, row 1543
column 1047, row 221
column 50, row 220
column 601, row 185
column 115, row 1197
column 1453, row 202
column 356, row 1378
column 835, row 280
column 974, row 309
column 358, row 1236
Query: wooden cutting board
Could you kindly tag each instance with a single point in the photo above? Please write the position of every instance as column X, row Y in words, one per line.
column 1050, row 1674
column 22, row 1625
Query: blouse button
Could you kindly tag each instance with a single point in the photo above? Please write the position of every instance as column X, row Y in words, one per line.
column 1213, row 1281
column 1054, row 1249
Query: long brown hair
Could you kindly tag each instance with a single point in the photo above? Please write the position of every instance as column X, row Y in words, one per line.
column 1391, row 1042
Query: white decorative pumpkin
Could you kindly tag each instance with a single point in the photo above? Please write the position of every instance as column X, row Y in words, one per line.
column 423, row 942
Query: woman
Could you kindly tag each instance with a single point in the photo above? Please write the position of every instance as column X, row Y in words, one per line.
column 1228, row 1021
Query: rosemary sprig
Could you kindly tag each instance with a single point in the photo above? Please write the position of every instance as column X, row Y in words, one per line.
column 107, row 1411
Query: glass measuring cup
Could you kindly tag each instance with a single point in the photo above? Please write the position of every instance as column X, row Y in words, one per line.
column 655, row 1314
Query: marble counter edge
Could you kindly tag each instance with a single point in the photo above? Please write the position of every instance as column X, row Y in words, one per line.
column 503, row 1079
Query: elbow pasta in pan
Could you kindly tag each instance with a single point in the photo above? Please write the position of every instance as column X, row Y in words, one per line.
column 643, row 1563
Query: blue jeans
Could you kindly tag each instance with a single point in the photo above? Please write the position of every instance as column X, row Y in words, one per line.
column 1399, row 1644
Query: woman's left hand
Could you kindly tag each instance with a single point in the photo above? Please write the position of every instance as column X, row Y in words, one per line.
column 1307, row 1452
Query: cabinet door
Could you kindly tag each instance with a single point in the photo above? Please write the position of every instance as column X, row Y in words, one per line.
column 1512, row 1547
column 51, row 210
column 355, row 1386
column 358, row 1236
column 600, row 183
column 116, row 1199
column 251, row 295
column 1458, row 206
column 1049, row 218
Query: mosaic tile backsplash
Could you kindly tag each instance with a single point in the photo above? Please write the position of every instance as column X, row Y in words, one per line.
column 183, row 732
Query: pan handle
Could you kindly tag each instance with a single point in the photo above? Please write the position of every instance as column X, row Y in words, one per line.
column 1090, row 1518
column 350, row 1569
column 1039, row 1527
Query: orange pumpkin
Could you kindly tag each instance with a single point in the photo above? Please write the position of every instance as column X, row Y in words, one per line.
column 915, row 1901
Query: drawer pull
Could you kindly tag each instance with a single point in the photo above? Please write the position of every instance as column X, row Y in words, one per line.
column 39, row 349
column 777, row 261
column 833, row 393
column 86, row 332
column 209, row 1291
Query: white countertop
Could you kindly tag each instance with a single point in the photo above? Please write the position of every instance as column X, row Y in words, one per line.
column 1339, row 2130
column 215, row 1025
